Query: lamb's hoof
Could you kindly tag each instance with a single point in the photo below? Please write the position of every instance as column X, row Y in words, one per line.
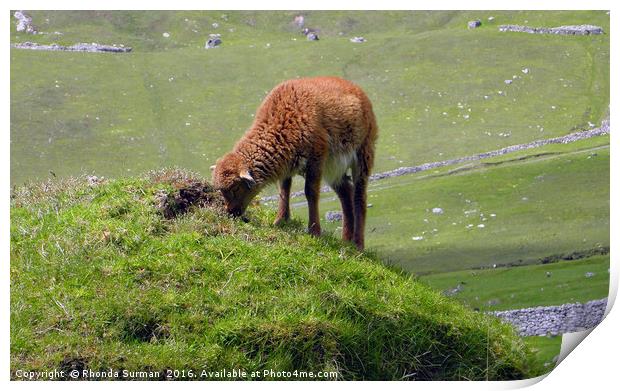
column 280, row 221
column 314, row 231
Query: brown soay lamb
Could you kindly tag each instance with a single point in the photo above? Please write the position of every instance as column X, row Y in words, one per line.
column 318, row 128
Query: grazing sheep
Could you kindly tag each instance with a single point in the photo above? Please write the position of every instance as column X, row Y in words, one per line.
column 318, row 128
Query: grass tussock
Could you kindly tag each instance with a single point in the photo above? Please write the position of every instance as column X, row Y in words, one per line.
column 101, row 279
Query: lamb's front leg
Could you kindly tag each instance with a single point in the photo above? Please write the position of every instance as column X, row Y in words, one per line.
column 313, row 189
column 284, row 211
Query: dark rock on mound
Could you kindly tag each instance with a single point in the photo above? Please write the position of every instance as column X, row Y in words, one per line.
column 195, row 193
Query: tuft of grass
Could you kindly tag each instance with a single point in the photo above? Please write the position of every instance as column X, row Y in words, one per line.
column 100, row 279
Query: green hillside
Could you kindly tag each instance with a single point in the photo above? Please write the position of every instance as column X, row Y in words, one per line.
column 513, row 210
column 171, row 102
column 100, row 279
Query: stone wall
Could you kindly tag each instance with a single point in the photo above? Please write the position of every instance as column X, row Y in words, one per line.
column 555, row 320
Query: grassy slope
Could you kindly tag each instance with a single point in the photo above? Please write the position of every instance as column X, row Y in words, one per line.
column 171, row 102
column 528, row 286
column 545, row 349
column 100, row 278
column 522, row 191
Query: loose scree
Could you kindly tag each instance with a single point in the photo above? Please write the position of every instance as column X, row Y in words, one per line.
column 315, row 127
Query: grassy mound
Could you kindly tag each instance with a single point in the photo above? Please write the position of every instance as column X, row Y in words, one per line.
column 101, row 279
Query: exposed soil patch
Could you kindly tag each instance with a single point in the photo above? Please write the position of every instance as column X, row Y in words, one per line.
column 186, row 195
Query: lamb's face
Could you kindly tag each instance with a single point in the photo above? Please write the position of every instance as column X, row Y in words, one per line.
column 235, row 183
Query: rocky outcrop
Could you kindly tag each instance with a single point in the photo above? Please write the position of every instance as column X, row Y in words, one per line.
column 24, row 23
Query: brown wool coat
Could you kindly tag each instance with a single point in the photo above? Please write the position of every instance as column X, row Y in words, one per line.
column 316, row 127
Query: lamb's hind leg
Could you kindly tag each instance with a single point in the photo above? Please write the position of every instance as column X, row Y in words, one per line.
column 344, row 189
column 284, row 211
column 313, row 190
column 361, row 171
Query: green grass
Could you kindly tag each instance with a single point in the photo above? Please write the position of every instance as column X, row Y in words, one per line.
column 545, row 349
column 546, row 204
column 100, row 278
column 170, row 102
column 528, row 286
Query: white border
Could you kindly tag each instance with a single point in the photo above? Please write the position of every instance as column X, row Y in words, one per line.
column 591, row 365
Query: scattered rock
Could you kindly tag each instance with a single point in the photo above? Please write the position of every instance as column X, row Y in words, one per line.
column 584, row 29
column 525, row 70
column 79, row 47
column 508, row 81
column 357, row 39
column 94, row 180
column 312, row 37
column 333, row 216
column 299, row 21
column 438, row 211
column 213, row 41
column 166, row 35
column 24, row 23
column 311, row 34
column 453, row 291
column 472, row 24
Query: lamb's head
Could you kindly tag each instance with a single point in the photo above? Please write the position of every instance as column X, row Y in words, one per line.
column 233, row 179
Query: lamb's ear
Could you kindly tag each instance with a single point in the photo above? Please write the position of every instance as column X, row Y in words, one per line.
column 245, row 174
